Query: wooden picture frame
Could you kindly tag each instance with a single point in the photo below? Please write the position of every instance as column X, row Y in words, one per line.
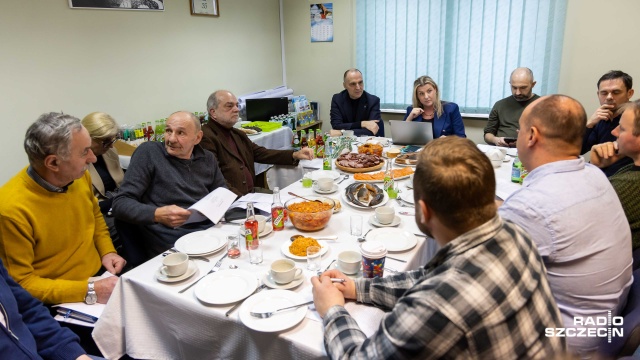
column 139, row 5
column 205, row 7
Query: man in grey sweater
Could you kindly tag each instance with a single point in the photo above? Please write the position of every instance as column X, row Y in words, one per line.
column 163, row 180
column 503, row 119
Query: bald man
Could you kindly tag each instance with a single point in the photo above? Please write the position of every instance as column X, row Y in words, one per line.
column 503, row 120
column 573, row 215
column 163, row 180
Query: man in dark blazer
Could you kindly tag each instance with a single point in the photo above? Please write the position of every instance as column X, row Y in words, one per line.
column 236, row 153
column 355, row 109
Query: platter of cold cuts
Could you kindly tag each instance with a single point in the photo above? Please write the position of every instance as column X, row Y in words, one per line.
column 358, row 163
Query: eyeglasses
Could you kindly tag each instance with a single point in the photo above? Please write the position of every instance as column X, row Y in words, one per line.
column 108, row 142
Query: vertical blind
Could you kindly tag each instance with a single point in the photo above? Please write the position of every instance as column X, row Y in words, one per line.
column 469, row 47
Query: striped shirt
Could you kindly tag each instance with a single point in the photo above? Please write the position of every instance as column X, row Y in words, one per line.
column 483, row 296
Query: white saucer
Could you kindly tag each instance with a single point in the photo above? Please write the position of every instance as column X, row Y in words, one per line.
column 373, row 221
column 161, row 276
column 353, row 276
column 333, row 189
column 268, row 228
column 267, row 280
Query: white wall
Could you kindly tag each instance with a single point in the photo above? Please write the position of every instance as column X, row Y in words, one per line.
column 599, row 36
column 316, row 69
column 135, row 65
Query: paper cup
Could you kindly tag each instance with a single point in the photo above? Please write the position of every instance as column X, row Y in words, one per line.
column 373, row 255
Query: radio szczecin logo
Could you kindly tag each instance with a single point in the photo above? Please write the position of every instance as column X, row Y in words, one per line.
column 608, row 326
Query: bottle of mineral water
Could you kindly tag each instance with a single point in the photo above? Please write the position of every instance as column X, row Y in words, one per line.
column 516, row 170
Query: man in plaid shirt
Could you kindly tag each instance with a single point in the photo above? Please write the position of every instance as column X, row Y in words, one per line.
column 484, row 295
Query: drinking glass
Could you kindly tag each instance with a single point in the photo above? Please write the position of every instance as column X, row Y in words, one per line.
column 255, row 254
column 307, row 182
column 233, row 247
column 356, row 225
column 314, row 258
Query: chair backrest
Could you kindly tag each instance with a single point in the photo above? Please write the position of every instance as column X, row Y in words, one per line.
column 630, row 340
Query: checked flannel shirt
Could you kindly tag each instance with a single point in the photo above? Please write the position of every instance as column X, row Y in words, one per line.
column 484, row 295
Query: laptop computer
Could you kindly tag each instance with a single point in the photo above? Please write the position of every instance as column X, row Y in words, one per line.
column 411, row 132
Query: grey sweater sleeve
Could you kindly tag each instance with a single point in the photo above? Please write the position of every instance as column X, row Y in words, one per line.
column 127, row 205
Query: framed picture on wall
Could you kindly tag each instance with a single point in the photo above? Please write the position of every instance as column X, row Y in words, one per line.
column 149, row 5
column 204, row 7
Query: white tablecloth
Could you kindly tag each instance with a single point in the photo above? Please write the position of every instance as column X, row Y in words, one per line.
column 278, row 140
column 148, row 319
column 151, row 320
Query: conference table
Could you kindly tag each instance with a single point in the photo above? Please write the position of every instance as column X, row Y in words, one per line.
column 149, row 319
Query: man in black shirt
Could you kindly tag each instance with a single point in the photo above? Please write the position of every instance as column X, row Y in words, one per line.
column 355, row 109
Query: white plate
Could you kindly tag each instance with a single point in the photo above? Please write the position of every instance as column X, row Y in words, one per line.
column 269, row 301
column 382, row 141
column 285, row 250
column 268, row 228
column 334, row 188
column 373, row 221
column 403, row 165
column 325, row 173
column 395, row 240
column 161, row 276
column 267, row 280
column 381, row 180
column 226, row 286
column 407, row 196
column 346, row 201
column 200, row 242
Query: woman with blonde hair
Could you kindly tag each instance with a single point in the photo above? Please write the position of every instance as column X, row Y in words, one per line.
column 106, row 173
column 444, row 116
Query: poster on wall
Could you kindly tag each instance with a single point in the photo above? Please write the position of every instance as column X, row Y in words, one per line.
column 149, row 5
column 322, row 22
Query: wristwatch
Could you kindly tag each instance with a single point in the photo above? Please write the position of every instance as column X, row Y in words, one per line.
column 91, row 296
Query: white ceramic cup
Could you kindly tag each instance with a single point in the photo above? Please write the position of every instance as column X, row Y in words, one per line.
column 175, row 264
column 284, row 271
column 262, row 221
column 348, row 133
column 497, row 153
column 325, row 183
column 349, row 262
column 385, row 214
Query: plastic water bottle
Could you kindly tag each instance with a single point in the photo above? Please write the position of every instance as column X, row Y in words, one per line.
column 516, row 170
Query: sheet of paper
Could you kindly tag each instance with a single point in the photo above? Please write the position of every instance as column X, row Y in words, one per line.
column 260, row 201
column 212, row 206
column 257, row 197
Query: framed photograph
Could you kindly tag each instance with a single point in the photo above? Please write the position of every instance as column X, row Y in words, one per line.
column 204, row 7
column 148, row 5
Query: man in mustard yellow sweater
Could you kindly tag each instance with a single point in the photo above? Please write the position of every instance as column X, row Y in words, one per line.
column 52, row 234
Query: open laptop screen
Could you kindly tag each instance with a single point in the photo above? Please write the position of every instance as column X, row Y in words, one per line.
column 411, row 132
